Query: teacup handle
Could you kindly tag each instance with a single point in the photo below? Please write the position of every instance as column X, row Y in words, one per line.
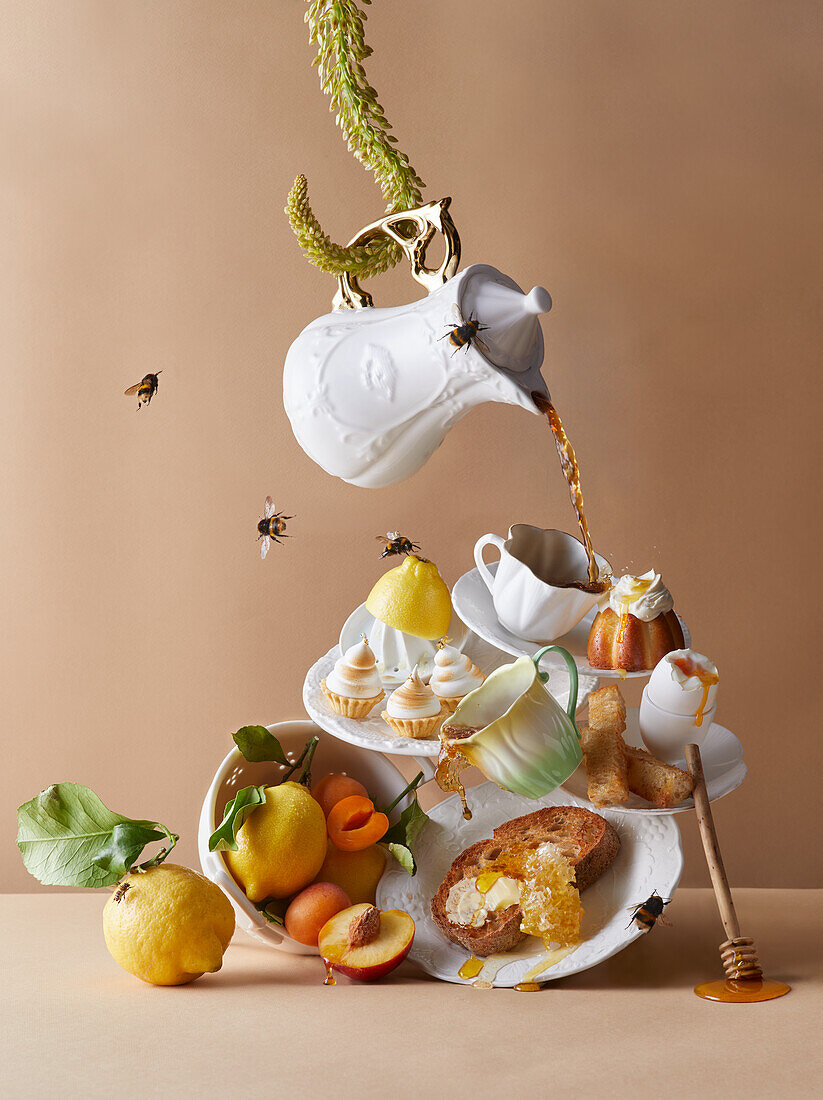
column 483, row 569
column 571, row 666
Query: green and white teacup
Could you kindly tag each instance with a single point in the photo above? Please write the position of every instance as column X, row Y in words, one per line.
column 524, row 741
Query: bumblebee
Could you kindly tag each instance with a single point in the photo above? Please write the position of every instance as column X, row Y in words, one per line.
column 145, row 389
column 121, row 890
column 649, row 912
column 395, row 543
column 271, row 526
column 465, row 332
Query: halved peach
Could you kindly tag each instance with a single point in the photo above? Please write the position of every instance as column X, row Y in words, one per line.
column 364, row 943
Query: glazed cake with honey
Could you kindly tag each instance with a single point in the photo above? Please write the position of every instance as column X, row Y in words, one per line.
column 637, row 627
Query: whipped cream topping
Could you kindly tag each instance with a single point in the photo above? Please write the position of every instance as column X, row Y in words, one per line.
column 355, row 674
column 413, row 699
column 645, row 597
column 455, row 674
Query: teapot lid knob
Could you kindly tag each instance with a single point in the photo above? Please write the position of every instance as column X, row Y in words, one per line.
column 537, row 301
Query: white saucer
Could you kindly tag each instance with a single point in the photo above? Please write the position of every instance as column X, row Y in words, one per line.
column 473, row 603
column 650, row 858
column 723, row 768
column 373, row 733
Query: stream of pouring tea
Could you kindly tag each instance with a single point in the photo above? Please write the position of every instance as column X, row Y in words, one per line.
column 571, row 471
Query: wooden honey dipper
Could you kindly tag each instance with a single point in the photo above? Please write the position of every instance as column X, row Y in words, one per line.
column 744, row 979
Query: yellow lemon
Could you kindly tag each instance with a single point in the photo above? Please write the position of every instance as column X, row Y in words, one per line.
column 168, row 925
column 358, row 873
column 412, row 597
column 280, row 846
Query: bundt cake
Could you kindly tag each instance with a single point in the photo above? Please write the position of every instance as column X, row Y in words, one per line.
column 634, row 645
column 637, row 628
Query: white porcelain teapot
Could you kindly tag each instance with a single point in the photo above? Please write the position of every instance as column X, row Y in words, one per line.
column 371, row 393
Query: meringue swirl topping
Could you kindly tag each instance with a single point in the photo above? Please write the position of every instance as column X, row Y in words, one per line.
column 455, row 674
column 355, row 674
column 413, row 699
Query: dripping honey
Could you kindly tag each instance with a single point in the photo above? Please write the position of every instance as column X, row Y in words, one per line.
column 571, row 471
column 471, row 968
column 451, row 762
column 689, row 667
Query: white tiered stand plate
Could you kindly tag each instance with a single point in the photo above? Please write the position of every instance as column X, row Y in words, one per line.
column 650, row 858
column 473, row 603
column 723, row 768
column 373, row 732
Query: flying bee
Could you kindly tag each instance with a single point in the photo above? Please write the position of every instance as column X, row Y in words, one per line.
column 395, row 543
column 121, row 891
column 465, row 332
column 145, row 389
column 271, row 526
column 649, row 912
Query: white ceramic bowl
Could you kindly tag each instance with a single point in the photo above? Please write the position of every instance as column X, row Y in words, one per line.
column 380, row 778
column 666, row 734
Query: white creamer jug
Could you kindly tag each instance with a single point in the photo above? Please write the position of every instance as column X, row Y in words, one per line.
column 371, row 393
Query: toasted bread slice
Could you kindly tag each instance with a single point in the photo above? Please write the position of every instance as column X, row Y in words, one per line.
column 663, row 785
column 587, row 841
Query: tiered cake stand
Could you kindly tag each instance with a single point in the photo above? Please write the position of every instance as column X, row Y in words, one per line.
column 651, row 851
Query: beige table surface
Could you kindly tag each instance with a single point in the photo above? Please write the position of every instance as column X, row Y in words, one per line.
column 74, row 1024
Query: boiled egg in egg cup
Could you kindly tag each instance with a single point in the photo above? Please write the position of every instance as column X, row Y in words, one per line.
column 678, row 704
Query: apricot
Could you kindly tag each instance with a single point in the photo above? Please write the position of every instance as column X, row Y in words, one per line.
column 353, row 823
column 312, row 908
column 358, row 873
column 331, row 789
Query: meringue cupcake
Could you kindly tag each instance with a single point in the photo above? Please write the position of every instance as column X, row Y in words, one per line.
column 353, row 686
column 413, row 710
column 454, row 676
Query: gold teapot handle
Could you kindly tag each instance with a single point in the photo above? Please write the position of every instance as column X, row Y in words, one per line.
column 426, row 221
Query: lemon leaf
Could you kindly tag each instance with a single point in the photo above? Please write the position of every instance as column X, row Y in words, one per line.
column 224, row 837
column 258, row 745
column 404, row 857
column 273, row 909
column 68, row 837
column 400, row 838
column 127, row 842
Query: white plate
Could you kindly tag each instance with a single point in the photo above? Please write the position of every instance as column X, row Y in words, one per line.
column 650, row 858
column 723, row 768
column 373, row 733
column 473, row 603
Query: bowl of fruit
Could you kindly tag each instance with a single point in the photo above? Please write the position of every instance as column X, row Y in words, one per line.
column 297, row 828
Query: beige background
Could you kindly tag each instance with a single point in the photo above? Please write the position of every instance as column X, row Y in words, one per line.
column 657, row 166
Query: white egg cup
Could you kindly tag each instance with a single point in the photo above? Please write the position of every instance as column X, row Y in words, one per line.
column 666, row 734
